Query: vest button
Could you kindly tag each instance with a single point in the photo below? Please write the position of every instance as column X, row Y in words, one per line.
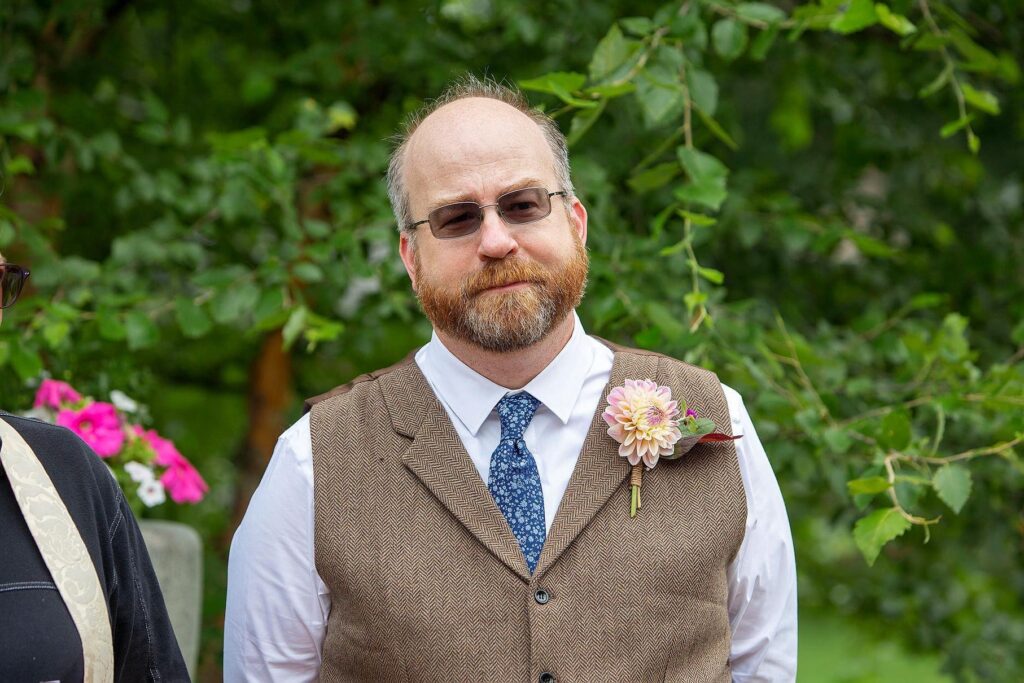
column 546, row 677
column 542, row 597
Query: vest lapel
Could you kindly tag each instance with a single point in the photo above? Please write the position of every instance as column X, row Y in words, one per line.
column 438, row 458
column 599, row 471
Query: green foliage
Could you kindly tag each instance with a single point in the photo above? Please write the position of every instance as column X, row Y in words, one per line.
column 795, row 195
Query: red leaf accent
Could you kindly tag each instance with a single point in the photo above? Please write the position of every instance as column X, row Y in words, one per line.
column 718, row 436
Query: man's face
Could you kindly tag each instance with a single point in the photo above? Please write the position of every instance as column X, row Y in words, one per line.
column 504, row 287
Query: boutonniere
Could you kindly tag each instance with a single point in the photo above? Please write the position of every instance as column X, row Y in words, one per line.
column 649, row 426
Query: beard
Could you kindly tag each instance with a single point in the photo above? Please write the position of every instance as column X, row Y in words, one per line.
column 511, row 320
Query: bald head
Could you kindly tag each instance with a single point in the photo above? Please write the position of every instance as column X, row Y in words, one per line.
column 474, row 123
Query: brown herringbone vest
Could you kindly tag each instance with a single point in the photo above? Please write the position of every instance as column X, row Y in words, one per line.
column 427, row 580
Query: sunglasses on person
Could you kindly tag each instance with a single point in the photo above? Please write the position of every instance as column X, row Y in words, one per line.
column 527, row 205
column 12, row 279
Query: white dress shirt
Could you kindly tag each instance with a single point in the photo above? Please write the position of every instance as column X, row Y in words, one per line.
column 277, row 605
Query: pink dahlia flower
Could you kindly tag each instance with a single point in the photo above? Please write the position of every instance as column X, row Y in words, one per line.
column 53, row 393
column 182, row 481
column 98, row 425
column 643, row 418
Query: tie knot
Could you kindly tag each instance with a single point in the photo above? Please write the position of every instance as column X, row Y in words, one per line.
column 515, row 412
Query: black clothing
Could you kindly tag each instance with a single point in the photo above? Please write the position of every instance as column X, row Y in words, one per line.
column 38, row 639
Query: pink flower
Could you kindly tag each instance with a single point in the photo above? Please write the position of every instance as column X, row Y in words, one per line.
column 52, row 393
column 184, row 483
column 98, row 425
column 691, row 412
column 167, row 453
column 643, row 418
column 181, row 479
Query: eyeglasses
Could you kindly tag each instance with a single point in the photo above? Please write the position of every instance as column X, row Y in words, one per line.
column 12, row 278
column 527, row 205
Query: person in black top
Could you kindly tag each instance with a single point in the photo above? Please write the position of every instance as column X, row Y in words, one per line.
column 39, row 640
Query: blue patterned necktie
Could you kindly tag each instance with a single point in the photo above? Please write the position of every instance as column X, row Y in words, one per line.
column 514, row 480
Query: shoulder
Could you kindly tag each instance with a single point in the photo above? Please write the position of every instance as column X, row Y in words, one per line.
column 666, row 363
column 65, row 457
column 361, row 383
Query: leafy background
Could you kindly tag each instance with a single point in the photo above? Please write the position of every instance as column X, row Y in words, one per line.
column 821, row 201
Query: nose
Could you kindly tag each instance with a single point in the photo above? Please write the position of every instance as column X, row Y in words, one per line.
column 496, row 239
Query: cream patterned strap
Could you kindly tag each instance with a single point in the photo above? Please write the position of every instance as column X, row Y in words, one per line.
column 63, row 550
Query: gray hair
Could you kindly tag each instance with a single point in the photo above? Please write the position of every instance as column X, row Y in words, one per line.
column 471, row 86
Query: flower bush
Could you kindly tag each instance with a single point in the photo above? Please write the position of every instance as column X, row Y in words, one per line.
column 149, row 467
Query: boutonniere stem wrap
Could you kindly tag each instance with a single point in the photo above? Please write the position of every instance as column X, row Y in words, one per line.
column 649, row 425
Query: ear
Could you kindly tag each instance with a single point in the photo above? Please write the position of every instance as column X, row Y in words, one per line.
column 579, row 219
column 407, row 250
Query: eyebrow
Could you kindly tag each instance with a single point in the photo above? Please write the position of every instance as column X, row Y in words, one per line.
column 458, row 199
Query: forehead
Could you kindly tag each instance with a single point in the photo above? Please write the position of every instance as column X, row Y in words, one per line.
column 474, row 146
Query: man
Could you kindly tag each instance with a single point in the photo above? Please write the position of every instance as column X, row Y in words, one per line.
column 464, row 514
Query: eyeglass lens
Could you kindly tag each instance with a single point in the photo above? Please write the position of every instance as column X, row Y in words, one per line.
column 11, row 280
column 520, row 206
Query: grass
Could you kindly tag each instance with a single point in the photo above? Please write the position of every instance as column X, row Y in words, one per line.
column 835, row 649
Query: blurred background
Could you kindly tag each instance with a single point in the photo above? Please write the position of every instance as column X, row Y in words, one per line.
column 820, row 201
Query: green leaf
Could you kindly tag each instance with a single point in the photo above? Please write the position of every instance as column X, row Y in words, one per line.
column 582, row 121
column 140, row 331
column 763, row 43
column 663, row 319
column 953, row 485
column 981, row 99
column 874, row 531
column 611, row 91
column 952, row 127
column 1017, row 335
column 295, row 325
column 233, row 301
column 859, row 15
column 656, row 99
column 609, row 54
column 729, row 38
column 837, row 440
column 937, row 83
column 717, row 130
column 638, row 26
column 703, row 425
column 55, row 333
column 973, row 142
column 868, row 485
column 707, row 192
column 192, row 320
column 703, row 90
column 897, row 23
column 895, row 431
column 711, row 275
column 654, row 177
column 694, row 299
column 561, row 84
column 20, row 164
column 111, row 327
column 701, row 165
column 759, row 12
column 698, row 219
column 307, row 272
column 25, row 360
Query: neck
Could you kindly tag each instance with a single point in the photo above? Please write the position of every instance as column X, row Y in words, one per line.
column 515, row 369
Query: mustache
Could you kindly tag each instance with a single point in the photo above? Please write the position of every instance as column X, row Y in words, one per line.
column 501, row 273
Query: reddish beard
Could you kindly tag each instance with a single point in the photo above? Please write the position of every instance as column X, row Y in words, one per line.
column 510, row 320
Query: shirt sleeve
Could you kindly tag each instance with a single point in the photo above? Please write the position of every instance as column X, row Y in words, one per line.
column 277, row 606
column 762, row 578
column 145, row 648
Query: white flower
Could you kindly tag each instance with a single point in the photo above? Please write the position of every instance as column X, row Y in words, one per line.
column 123, row 402
column 138, row 472
column 151, row 493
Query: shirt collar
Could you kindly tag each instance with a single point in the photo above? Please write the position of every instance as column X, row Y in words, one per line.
column 472, row 397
